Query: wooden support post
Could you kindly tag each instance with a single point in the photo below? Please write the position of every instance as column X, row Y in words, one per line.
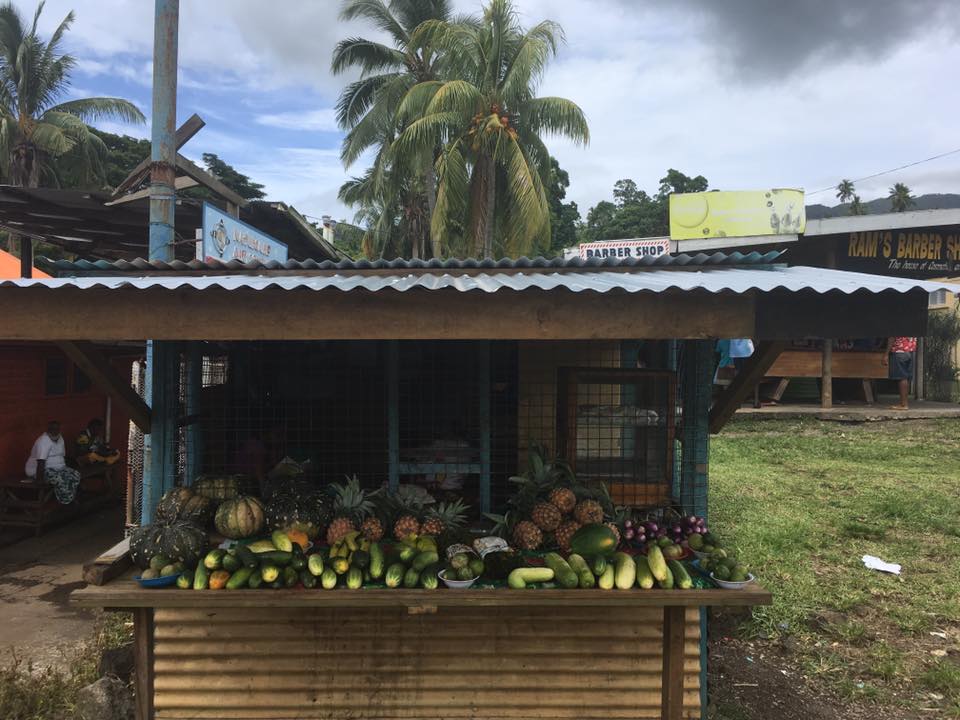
column 191, row 127
column 143, row 662
column 233, row 210
column 674, row 627
column 393, row 413
column 483, row 389
column 868, row 391
column 26, row 256
column 96, row 367
column 750, row 374
column 826, row 375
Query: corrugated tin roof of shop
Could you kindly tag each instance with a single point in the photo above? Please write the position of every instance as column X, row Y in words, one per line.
column 200, row 266
column 710, row 279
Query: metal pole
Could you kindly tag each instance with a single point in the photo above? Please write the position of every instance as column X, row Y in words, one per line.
column 163, row 153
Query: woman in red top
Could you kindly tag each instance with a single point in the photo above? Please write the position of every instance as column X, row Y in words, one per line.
column 902, row 350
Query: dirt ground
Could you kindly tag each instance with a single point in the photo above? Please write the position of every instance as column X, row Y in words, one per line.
column 36, row 578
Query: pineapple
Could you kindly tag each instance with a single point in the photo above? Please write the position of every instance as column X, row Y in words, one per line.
column 405, row 526
column 443, row 518
column 565, row 532
column 527, row 536
column 563, row 499
column 372, row 529
column 351, row 505
column 588, row 511
column 546, row 516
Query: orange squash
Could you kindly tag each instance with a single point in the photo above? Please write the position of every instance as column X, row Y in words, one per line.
column 299, row 537
column 218, row 579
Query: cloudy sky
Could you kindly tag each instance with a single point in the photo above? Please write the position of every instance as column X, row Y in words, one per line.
column 749, row 93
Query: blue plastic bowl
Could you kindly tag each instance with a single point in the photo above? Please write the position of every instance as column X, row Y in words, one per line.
column 165, row 581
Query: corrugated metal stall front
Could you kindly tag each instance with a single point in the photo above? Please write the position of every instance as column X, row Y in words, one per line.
column 460, row 662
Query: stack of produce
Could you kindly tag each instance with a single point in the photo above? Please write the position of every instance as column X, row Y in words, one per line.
column 414, row 563
column 722, row 563
column 463, row 566
column 549, row 506
column 678, row 531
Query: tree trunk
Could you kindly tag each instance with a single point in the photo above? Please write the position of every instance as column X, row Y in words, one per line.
column 24, row 172
column 430, row 178
column 484, row 198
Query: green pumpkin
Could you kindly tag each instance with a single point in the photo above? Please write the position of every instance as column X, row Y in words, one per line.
column 240, row 518
column 180, row 541
column 183, row 504
column 218, row 487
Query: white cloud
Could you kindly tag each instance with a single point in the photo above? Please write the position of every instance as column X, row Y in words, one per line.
column 322, row 120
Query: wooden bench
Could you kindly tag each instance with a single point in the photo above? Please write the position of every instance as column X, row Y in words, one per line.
column 27, row 503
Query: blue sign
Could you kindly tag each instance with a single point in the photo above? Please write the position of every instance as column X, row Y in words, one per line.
column 225, row 238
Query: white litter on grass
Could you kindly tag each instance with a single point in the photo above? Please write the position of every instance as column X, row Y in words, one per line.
column 875, row 563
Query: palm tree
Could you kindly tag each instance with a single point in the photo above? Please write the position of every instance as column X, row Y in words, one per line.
column 857, row 207
column 485, row 113
column 845, row 190
column 36, row 128
column 900, row 198
column 367, row 108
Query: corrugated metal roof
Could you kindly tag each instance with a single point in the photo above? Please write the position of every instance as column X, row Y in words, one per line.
column 708, row 279
column 178, row 266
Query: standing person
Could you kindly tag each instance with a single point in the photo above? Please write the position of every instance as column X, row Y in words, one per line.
column 902, row 351
column 48, row 463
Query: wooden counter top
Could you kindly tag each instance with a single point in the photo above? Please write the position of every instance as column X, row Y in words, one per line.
column 126, row 593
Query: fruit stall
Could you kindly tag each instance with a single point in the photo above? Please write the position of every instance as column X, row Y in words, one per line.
column 434, row 490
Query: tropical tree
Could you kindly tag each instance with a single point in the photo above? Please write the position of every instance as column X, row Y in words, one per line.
column 900, row 198
column 845, row 190
column 38, row 129
column 857, row 207
column 484, row 111
column 367, row 110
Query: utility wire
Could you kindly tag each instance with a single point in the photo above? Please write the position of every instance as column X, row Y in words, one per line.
column 887, row 172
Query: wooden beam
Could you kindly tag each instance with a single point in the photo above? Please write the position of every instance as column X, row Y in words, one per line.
column 674, row 627
column 103, row 375
column 750, row 374
column 44, row 313
column 181, row 183
column 191, row 127
column 209, row 181
column 143, row 671
column 26, row 256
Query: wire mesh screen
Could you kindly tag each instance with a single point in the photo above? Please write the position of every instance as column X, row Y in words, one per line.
column 133, row 493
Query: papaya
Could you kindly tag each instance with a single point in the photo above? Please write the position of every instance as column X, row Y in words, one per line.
column 219, row 579
column 594, row 539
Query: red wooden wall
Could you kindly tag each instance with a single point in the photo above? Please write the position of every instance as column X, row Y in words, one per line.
column 25, row 408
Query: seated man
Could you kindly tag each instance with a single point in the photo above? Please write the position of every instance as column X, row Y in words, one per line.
column 91, row 448
column 47, row 462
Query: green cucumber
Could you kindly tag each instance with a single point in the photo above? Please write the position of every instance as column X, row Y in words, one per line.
column 562, row 570
column 658, row 565
column 328, row 579
column 201, row 578
column 667, row 583
column 606, row 579
column 231, row 563
column 315, row 564
column 185, row 581
column 395, row 574
column 270, row 573
column 681, row 578
column 520, row 578
column 290, row 577
column 579, row 565
column 377, row 561
column 625, row 571
column 240, row 578
column 354, row 578
column 407, row 553
column 214, row 559
column 599, row 565
column 644, row 576
column 255, row 581
column 428, row 577
column 308, row 579
column 276, row 557
column 411, row 577
column 247, row 556
column 423, row 559
column 281, row 541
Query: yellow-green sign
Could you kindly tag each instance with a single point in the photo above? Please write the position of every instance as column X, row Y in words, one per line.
column 736, row 214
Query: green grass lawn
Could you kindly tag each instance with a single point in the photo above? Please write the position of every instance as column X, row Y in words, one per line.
column 803, row 501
